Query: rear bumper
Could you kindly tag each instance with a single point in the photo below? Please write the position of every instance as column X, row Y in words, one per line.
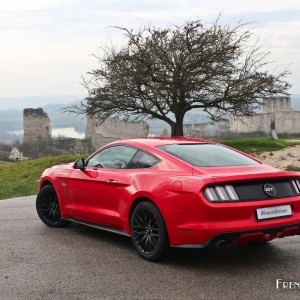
column 201, row 223
column 248, row 236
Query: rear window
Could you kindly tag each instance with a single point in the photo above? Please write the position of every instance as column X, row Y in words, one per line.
column 208, row 155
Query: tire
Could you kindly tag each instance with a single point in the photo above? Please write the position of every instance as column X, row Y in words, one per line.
column 148, row 231
column 48, row 209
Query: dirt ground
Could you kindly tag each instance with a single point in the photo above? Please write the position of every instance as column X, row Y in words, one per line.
column 282, row 158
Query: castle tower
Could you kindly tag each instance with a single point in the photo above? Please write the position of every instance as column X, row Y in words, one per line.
column 36, row 125
column 273, row 104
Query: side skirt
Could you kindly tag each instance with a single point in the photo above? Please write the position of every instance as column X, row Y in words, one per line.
column 100, row 227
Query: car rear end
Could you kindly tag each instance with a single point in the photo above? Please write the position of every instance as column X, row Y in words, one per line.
column 242, row 208
column 240, row 199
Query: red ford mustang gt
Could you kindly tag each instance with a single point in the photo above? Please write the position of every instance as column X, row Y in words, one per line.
column 173, row 191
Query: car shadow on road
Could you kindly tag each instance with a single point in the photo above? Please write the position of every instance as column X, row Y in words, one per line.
column 229, row 256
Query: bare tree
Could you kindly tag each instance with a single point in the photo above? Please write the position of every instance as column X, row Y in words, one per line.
column 164, row 73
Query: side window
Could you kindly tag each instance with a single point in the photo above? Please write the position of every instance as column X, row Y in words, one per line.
column 142, row 160
column 116, row 157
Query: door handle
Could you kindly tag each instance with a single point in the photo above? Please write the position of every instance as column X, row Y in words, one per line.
column 111, row 181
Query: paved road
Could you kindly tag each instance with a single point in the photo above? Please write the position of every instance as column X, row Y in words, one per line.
column 78, row 262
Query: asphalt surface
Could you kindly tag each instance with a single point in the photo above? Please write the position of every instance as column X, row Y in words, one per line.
column 78, row 262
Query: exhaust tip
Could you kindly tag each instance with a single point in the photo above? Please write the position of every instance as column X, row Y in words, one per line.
column 220, row 243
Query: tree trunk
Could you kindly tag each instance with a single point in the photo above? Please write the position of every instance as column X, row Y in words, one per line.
column 177, row 127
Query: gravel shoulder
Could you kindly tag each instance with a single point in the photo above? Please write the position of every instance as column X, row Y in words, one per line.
column 281, row 159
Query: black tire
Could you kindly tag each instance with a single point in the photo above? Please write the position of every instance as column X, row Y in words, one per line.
column 48, row 209
column 148, row 231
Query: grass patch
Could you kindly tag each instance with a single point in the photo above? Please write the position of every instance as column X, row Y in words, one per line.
column 292, row 168
column 258, row 145
column 22, row 178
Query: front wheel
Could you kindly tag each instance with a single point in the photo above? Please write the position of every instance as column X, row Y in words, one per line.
column 148, row 231
column 48, row 209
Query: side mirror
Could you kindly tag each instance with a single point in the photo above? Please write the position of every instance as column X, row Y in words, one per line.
column 79, row 164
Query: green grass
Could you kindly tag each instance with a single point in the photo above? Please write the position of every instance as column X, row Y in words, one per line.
column 293, row 168
column 22, row 178
column 258, row 145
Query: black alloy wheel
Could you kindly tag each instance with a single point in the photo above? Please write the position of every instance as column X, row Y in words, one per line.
column 148, row 231
column 48, row 209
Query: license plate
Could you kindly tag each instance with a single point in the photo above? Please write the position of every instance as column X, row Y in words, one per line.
column 273, row 212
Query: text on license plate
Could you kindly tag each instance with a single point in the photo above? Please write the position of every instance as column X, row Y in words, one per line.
column 273, row 212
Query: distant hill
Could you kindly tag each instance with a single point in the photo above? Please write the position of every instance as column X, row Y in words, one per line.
column 20, row 103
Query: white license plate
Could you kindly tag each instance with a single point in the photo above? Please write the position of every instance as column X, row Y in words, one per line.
column 274, row 212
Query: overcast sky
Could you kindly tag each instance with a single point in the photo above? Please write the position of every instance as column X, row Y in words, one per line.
column 47, row 45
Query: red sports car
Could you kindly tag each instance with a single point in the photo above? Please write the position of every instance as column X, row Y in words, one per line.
column 177, row 192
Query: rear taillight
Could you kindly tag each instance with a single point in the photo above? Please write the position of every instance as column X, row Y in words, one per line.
column 296, row 185
column 221, row 193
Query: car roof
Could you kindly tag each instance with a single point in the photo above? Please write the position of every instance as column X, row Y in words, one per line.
column 160, row 141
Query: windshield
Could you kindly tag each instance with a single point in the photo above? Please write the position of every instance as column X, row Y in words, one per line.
column 208, row 155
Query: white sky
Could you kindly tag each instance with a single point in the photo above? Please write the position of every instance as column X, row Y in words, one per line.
column 47, row 45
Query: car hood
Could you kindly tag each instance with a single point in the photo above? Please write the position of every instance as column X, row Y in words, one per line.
column 238, row 173
column 64, row 169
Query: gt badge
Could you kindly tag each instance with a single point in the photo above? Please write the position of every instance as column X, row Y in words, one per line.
column 269, row 190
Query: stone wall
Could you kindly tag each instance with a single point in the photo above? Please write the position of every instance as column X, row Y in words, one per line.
column 223, row 126
column 255, row 123
column 284, row 122
column 277, row 114
column 196, row 130
column 36, row 125
column 206, row 130
column 273, row 104
column 76, row 146
column 287, row 122
column 113, row 129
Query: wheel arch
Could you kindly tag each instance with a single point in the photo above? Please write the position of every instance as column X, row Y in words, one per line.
column 136, row 202
column 61, row 196
column 157, row 249
column 45, row 182
column 48, row 207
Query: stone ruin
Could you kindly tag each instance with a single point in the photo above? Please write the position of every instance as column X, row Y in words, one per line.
column 206, row 130
column 277, row 116
column 36, row 125
column 113, row 129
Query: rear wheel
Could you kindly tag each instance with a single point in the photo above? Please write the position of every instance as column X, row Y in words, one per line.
column 48, row 209
column 148, row 231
